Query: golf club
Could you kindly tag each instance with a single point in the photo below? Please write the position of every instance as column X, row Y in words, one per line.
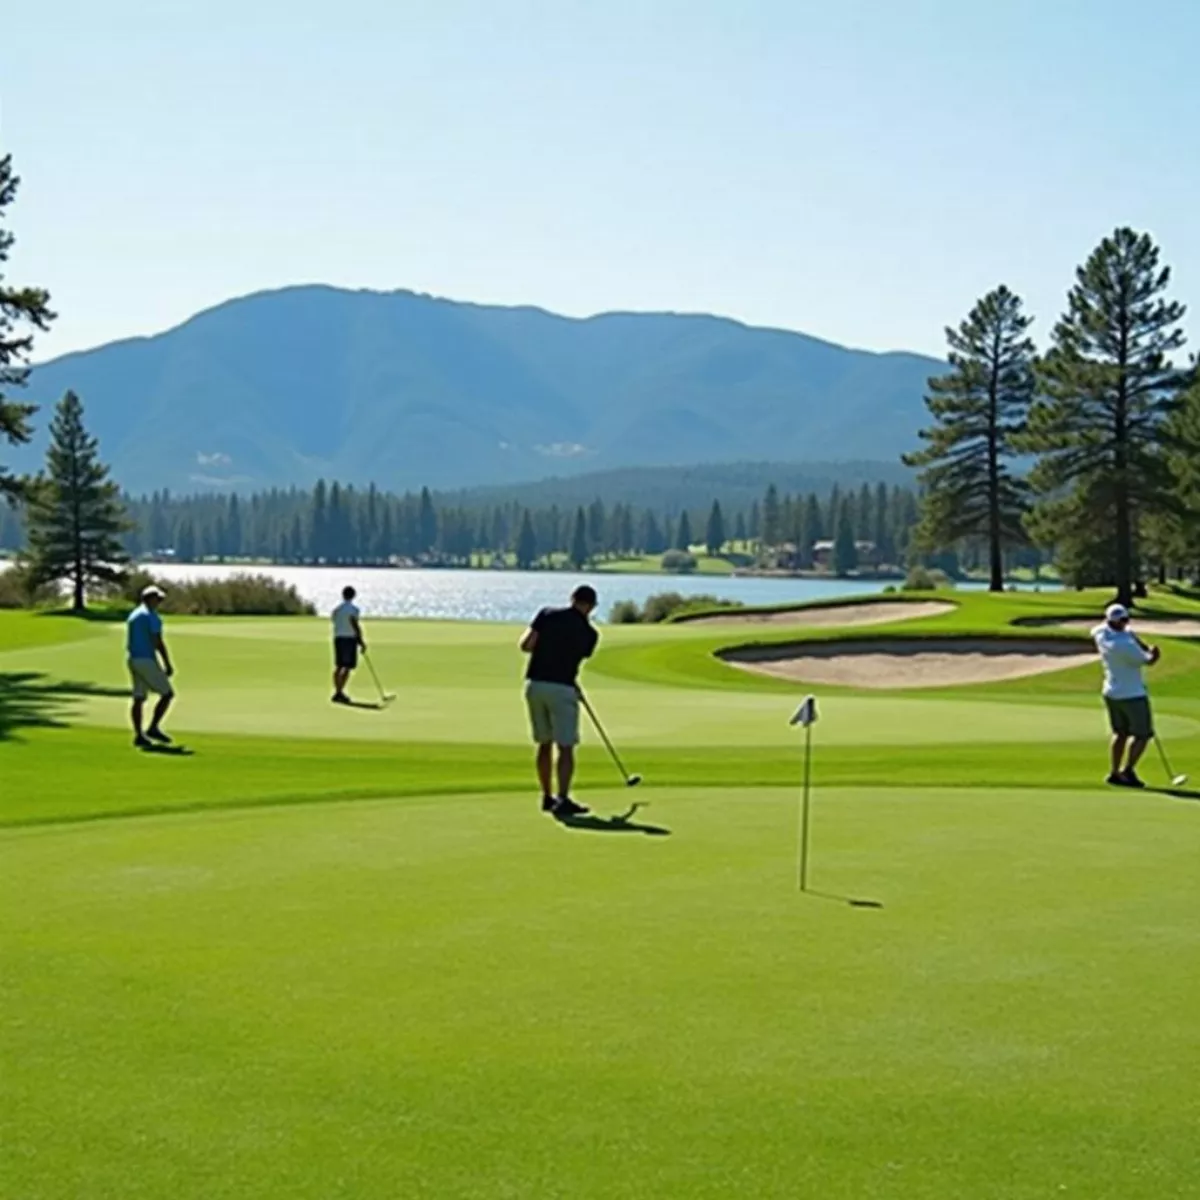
column 384, row 697
column 1176, row 780
column 630, row 780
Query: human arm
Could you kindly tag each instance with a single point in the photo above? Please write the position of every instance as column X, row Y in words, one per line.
column 1152, row 653
column 356, row 625
column 529, row 639
column 160, row 648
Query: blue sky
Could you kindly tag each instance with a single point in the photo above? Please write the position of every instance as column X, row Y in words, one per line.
column 859, row 170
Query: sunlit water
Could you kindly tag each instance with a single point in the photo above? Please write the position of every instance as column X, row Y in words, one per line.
column 486, row 595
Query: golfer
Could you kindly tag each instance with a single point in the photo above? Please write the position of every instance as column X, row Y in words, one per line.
column 557, row 641
column 347, row 641
column 1125, row 696
column 149, row 667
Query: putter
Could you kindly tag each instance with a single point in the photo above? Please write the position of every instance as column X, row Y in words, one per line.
column 630, row 780
column 384, row 697
column 1176, row 780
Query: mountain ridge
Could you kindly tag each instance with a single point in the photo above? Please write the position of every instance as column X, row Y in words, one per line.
column 286, row 385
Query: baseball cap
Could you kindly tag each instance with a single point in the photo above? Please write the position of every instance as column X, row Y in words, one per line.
column 152, row 589
column 1116, row 612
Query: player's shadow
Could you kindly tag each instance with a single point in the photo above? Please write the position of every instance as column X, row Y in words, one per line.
column 173, row 751
column 621, row 823
column 31, row 700
column 1177, row 793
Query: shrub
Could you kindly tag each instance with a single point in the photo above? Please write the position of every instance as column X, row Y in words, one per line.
column 238, row 595
column 18, row 590
column 666, row 606
column 624, row 612
column 678, row 562
column 923, row 579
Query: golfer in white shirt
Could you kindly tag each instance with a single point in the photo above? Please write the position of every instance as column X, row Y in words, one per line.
column 1125, row 696
column 347, row 641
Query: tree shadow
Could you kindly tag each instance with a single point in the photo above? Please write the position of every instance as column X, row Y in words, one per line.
column 104, row 614
column 31, row 700
column 174, row 751
column 621, row 823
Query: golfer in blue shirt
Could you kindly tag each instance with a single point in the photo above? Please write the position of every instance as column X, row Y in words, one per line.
column 145, row 648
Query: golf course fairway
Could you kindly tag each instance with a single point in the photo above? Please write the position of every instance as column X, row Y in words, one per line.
column 338, row 953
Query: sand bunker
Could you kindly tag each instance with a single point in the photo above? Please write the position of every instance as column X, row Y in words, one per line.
column 835, row 615
column 924, row 663
column 1179, row 627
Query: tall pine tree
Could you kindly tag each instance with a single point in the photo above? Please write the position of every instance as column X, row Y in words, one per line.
column 75, row 514
column 1101, row 427
column 980, row 412
column 714, row 534
column 22, row 310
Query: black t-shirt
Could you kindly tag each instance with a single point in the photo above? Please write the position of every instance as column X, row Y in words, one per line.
column 565, row 637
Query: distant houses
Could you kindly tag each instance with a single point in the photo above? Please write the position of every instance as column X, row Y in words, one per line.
column 788, row 556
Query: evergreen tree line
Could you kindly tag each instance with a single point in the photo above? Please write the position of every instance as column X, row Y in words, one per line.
column 339, row 523
column 1108, row 415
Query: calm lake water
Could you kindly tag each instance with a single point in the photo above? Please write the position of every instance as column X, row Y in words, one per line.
column 486, row 595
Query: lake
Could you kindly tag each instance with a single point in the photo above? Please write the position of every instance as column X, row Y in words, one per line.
column 486, row 595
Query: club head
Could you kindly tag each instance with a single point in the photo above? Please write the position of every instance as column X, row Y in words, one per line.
column 1179, row 781
column 632, row 780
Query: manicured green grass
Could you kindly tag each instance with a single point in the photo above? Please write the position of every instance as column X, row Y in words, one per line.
column 217, row 982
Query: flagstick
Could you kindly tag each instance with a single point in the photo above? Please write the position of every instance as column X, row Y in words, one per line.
column 802, row 850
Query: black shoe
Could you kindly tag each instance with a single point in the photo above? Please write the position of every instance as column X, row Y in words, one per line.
column 1116, row 780
column 142, row 742
column 564, row 806
column 549, row 804
column 340, row 698
column 1129, row 779
column 157, row 735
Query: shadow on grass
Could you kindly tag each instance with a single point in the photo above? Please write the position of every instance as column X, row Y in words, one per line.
column 1177, row 793
column 175, row 751
column 102, row 614
column 853, row 901
column 30, row 700
column 622, row 823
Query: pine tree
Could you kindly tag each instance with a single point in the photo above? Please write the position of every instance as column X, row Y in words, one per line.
column 427, row 523
column 651, row 537
column 595, row 526
column 714, row 534
column 739, row 528
column 1109, row 388
column 845, row 552
column 27, row 307
column 683, row 532
column 754, row 524
column 579, row 541
column 771, row 526
column 526, row 547
column 318, row 546
column 980, row 411
column 75, row 514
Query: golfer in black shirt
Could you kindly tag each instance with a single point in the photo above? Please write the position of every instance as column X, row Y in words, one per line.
column 557, row 641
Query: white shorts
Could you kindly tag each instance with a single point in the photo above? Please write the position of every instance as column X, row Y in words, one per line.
column 148, row 676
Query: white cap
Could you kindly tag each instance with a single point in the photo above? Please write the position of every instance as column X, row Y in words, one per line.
column 1116, row 612
column 152, row 589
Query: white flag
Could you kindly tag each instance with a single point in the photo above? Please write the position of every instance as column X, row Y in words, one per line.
column 806, row 714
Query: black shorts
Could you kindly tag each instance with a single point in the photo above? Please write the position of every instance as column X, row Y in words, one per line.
column 1130, row 718
column 345, row 653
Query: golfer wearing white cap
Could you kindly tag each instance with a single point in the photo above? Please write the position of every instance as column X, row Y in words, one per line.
column 1125, row 696
column 145, row 647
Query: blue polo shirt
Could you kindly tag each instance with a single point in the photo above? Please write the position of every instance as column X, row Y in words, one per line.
column 143, row 626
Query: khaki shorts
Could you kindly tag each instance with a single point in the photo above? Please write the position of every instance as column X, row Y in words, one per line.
column 148, row 677
column 553, row 712
column 1130, row 718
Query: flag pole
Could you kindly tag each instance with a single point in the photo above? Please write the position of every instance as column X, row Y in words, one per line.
column 805, row 716
column 803, row 848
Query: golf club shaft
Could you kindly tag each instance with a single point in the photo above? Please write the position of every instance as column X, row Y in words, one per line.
column 1162, row 754
column 374, row 675
column 612, row 750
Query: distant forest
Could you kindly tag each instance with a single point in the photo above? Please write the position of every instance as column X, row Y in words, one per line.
column 340, row 524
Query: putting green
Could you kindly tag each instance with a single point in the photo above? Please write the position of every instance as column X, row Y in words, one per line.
column 462, row 999
column 437, row 991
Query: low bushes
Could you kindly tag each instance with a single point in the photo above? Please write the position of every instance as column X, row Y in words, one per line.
column 17, row 589
column 663, row 606
column 678, row 562
column 238, row 595
column 925, row 579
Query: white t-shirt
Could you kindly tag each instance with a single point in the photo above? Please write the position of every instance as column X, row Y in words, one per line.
column 345, row 612
column 1123, row 661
